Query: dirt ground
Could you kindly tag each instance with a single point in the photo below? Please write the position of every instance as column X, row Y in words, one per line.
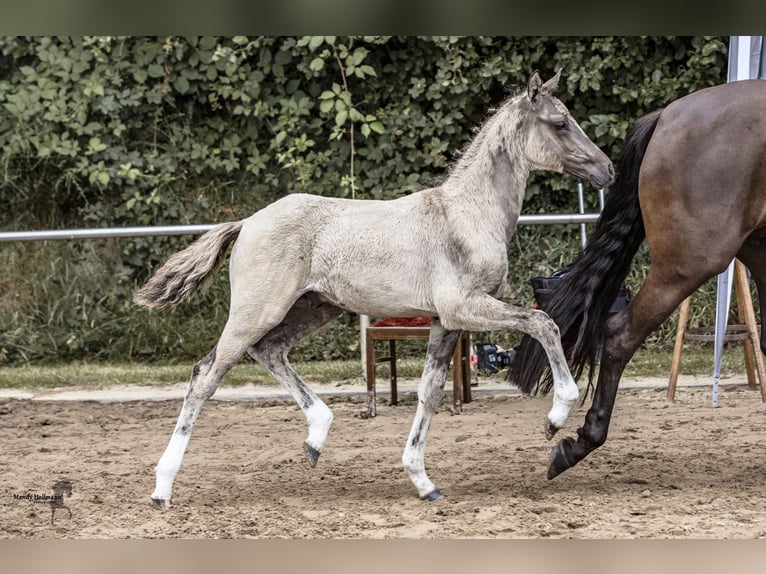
column 682, row 470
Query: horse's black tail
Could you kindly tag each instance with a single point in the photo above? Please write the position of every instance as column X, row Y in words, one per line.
column 580, row 303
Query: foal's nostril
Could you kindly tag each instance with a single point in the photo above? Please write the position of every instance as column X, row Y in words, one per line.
column 610, row 169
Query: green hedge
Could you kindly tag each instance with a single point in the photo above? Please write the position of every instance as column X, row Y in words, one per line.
column 122, row 131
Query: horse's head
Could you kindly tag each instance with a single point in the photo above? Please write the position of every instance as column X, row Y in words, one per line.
column 556, row 142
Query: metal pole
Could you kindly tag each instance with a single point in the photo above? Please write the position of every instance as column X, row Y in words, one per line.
column 103, row 232
column 581, row 203
column 721, row 320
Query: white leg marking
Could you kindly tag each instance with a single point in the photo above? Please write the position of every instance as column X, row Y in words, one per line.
column 319, row 418
column 168, row 466
column 414, row 453
column 206, row 375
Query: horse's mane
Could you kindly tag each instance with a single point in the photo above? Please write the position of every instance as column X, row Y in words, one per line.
column 466, row 156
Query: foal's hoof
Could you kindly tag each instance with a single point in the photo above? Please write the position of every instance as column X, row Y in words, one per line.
column 312, row 454
column 550, row 429
column 161, row 504
column 558, row 462
column 433, row 496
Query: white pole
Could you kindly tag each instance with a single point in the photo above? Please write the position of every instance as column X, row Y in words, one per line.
column 723, row 297
column 721, row 321
column 743, row 58
column 581, row 202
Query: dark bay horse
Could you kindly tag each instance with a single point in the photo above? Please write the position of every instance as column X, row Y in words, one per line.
column 691, row 179
column 440, row 252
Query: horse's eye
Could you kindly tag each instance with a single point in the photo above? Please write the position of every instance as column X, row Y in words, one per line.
column 560, row 125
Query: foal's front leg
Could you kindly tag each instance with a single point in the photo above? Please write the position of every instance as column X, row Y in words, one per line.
column 485, row 313
column 441, row 346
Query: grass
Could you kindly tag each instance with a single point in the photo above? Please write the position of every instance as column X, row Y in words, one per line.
column 648, row 362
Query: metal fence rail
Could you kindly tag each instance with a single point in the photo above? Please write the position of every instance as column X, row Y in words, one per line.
column 102, row 232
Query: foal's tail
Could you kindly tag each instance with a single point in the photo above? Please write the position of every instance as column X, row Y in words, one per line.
column 187, row 270
column 581, row 301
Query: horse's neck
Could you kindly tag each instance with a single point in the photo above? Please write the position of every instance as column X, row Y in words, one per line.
column 489, row 182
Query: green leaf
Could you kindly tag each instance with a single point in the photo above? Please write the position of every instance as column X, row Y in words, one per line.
column 208, row 43
column 315, row 42
column 181, row 84
column 326, row 105
column 377, row 127
column 95, row 145
column 316, row 64
column 155, row 71
column 341, row 117
column 355, row 115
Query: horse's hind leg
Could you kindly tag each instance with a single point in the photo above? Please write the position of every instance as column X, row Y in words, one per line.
column 441, row 345
column 307, row 315
column 206, row 375
column 754, row 257
column 659, row 296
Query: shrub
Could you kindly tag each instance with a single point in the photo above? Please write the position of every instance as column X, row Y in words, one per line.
column 122, row 131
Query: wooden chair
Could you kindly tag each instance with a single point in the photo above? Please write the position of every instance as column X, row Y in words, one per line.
column 461, row 362
column 747, row 332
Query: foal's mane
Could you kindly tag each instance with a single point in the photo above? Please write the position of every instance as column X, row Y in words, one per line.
column 482, row 132
column 466, row 155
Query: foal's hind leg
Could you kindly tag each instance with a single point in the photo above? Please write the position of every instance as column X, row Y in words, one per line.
column 205, row 377
column 242, row 329
column 441, row 345
column 306, row 316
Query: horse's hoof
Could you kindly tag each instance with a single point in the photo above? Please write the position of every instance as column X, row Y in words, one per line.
column 161, row 504
column 312, row 454
column 558, row 462
column 433, row 496
column 550, row 429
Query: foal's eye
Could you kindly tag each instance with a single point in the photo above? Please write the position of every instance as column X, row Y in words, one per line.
column 560, row 125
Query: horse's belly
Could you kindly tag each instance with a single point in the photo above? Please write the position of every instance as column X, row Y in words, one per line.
column 388, row 290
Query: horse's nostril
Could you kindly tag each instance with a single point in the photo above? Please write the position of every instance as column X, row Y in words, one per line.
column 610, row 169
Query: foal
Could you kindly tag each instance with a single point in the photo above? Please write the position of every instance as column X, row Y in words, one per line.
column 441, row 252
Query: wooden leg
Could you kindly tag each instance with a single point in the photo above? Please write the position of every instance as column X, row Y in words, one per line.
column 743, row 292
column 746, row 304
column 683, row 318
column 392, row 354
column 465, row 364
column 457, row 381
column 370, row 375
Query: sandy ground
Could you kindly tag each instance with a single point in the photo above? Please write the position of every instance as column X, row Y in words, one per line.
column 680, row 470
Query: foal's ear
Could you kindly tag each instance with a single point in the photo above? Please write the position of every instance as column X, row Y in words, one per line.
column 551, row 85
column 534, row 86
